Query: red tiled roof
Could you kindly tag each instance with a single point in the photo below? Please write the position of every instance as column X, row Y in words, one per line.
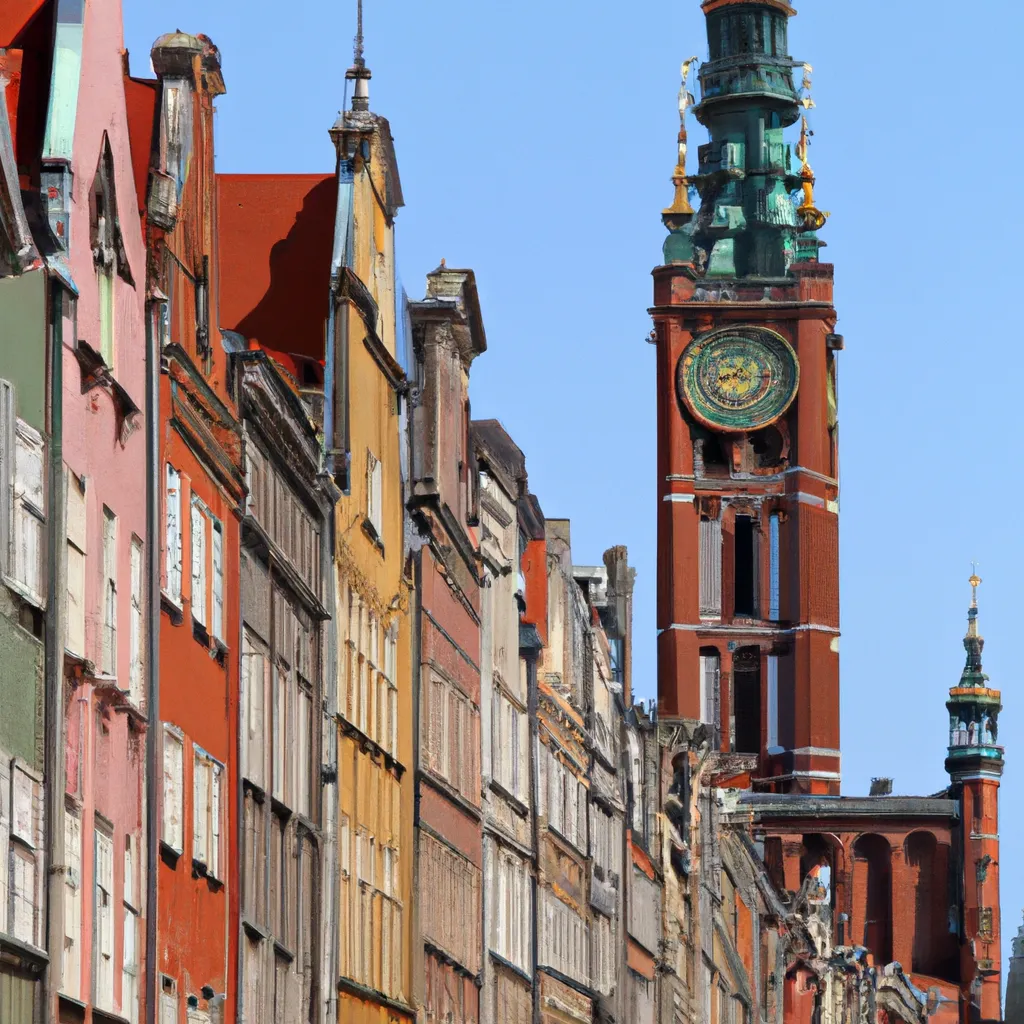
column 275, row 236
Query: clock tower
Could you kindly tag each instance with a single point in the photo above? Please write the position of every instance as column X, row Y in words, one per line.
column 748, row 494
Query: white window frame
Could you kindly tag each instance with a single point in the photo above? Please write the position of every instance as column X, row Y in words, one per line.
column 207, row 810
column 200, row 579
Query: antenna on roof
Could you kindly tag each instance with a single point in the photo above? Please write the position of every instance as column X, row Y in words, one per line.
column 359, row 73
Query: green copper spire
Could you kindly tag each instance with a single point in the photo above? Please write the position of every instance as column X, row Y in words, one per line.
column 974, row 707
column 757, row 213
column 974, row 644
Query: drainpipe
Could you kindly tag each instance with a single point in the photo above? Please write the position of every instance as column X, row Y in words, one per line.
column 153, row 772
column 417, row 958
column 54, row 784
column 329, row 679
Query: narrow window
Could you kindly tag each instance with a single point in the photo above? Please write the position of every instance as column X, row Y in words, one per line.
column 745, row 574
column 136, row 672
column 710, row 686
column 72, row 977
column 774, row 612
column 711, row 568
column 103, row 922
column 173, row 535
column 173, row 785
column 109, row 592
column 747, row 699
column 374, row 494
column 218, row 581
column 773, row 702
column 77, row 532
column 29, row 509
column 129, row 944
column 198, row 540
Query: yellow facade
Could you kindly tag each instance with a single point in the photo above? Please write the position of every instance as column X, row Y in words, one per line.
column 374, row 691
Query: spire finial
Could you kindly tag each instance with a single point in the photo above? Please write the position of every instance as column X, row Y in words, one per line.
column 358, row 47
column 359, row 72
column 680, row 211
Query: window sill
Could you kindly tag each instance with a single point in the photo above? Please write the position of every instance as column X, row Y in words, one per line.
column 374, row 537
column 283, row 952
column 172, row 607
column 200, row 870
column 518, row 805
column 371, row 747
column 26, row 594
column 169, row 854
column 255, row 931
column 510, row 966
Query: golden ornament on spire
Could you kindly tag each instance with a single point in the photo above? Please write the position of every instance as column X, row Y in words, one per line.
column 811, row 216
column 681, row 201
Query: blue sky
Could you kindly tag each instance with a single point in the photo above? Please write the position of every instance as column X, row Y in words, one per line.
column 535, row 142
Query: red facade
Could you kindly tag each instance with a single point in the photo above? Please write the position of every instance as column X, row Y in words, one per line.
column 201, row 488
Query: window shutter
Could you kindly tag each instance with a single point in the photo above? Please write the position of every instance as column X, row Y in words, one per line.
column 172, row 795
column 198, row 565
column 711, row 567
column 173, row 538
column 136, row 673
column 471, row 789
column 218, row 582
column 437, row 698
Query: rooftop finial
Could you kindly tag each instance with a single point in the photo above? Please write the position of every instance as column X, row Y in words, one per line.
column 358, row 43
column 359, row 73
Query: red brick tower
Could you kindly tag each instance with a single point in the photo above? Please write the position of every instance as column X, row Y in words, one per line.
column 748, row 591
column 975, row 766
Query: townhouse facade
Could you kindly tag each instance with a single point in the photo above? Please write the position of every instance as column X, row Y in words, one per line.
column 444, row 508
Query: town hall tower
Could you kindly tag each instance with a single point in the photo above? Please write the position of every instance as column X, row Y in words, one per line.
column 748, row 588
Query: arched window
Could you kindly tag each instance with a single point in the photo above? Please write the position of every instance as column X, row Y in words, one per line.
column 872, row 896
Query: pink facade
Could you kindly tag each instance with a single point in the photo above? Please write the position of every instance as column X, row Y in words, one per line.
column 105, row 466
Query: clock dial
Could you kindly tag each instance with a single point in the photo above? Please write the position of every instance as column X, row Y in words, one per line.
column 738, row 378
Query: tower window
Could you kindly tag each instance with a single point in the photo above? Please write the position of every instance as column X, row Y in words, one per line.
column 710, row 690
column 747, row 699
column 745, row 568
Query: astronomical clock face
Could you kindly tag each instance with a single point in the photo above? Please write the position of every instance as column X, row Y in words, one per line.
column 738, row 378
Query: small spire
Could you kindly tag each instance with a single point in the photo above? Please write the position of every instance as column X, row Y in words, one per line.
column 974, row 644
column 359, row 72
column 680, row 211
